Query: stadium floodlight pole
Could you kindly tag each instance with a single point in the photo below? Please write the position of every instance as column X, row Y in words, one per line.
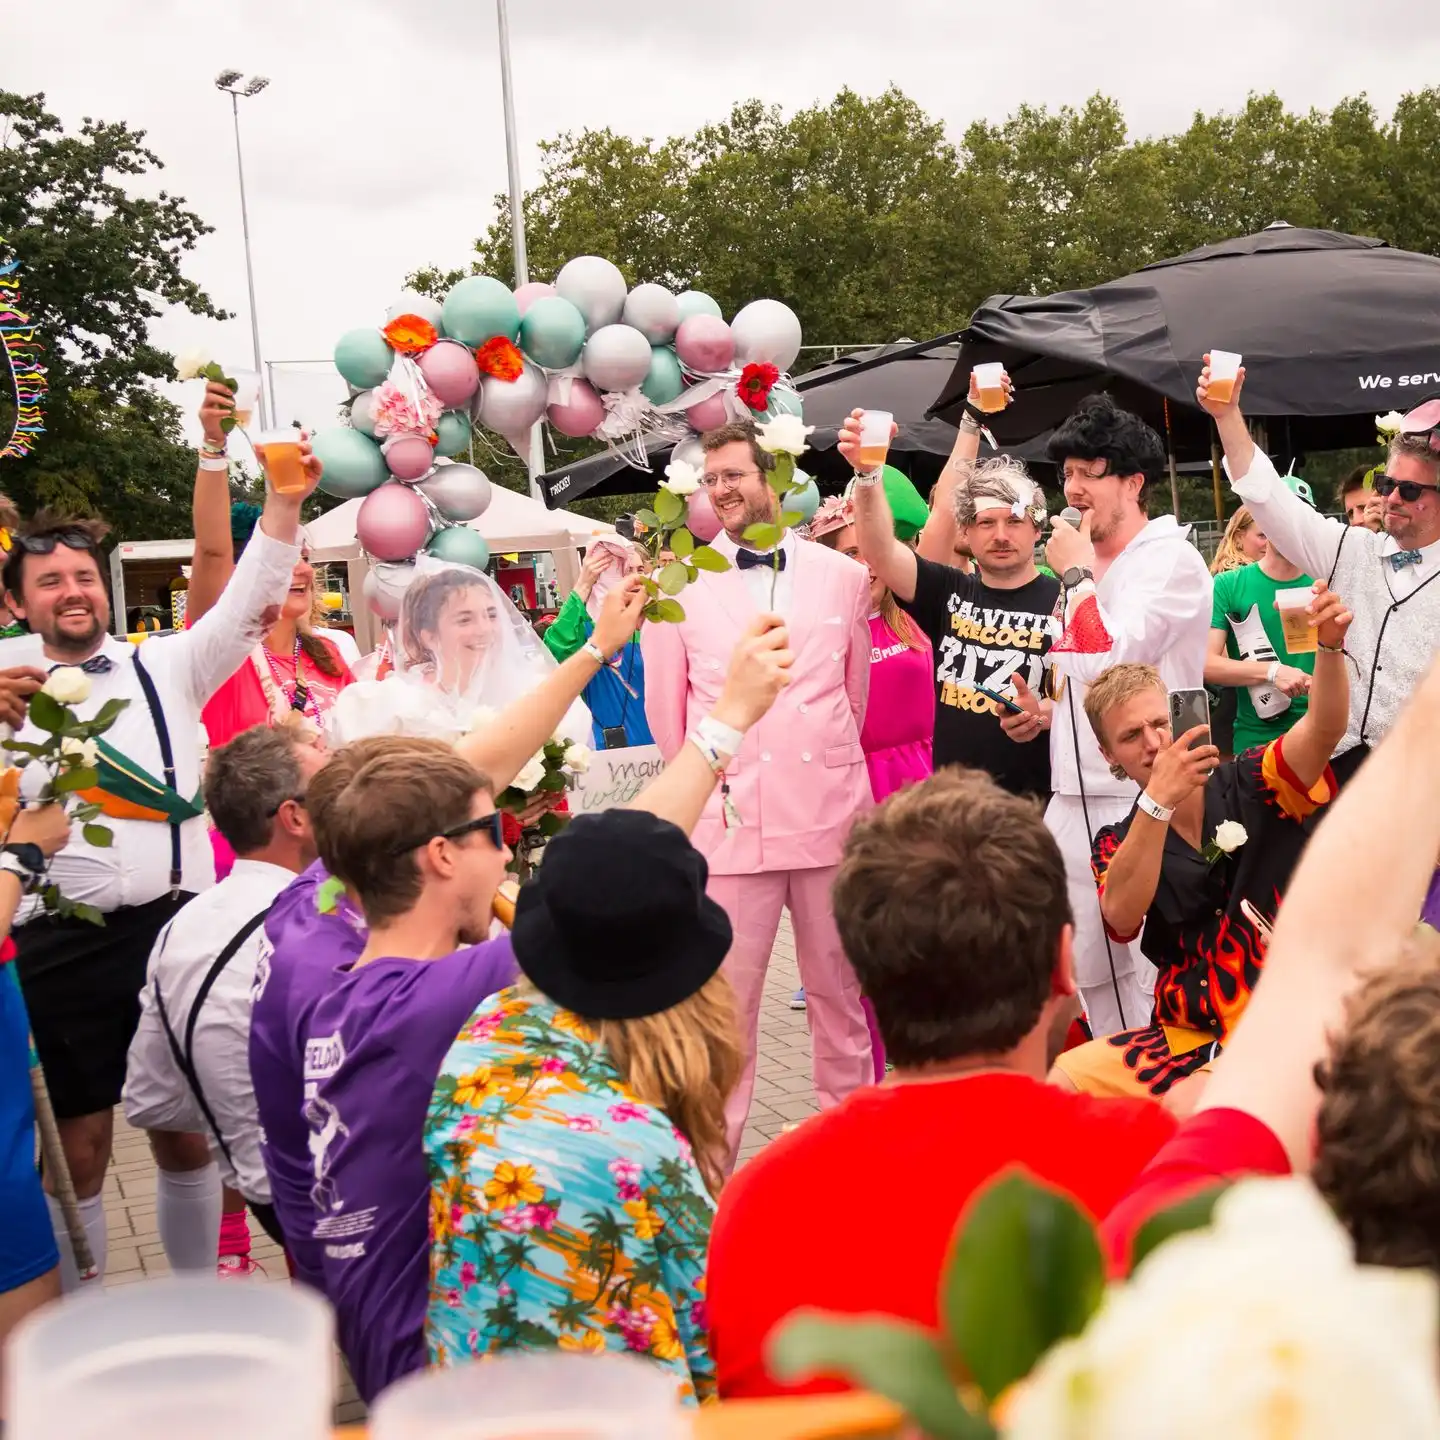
column 235, row 85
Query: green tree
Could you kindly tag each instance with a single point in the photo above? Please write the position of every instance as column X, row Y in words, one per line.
column 98, row 263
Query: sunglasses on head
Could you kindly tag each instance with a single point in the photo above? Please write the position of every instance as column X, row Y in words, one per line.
column 491, row 825
column 1410, row 490
column 45, row 544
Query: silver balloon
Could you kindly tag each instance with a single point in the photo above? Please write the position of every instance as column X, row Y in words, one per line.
column 361, row 412
column 766, row 333
column 690, row 452
column 596, row 288
column 511, row 407
column 385, row 587
column 654, row 312
column 458, row 492
column 616, row 358
column 412, row 304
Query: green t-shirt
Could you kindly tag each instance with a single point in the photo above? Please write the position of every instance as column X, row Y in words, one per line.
column 1244, row 608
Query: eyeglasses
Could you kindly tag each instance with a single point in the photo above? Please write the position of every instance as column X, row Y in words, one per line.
column 729, row 478
column 288, row 800
column 1410, row 490
column 45, row 544
column 492, row 825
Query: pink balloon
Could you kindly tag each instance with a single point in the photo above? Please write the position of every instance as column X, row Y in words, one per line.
column 393, row 522
column 704, row 344
column 410, row 457
column 709, row 414
column 582, row 415
column 451, row 373
column 527, row 295
column 702, row 521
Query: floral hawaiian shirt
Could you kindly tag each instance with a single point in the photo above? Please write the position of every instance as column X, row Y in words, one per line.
column 564, row 1213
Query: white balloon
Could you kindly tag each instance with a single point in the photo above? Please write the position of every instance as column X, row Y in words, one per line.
column 766, row 332
column 596, row 288
column 690, row 452
column 385, row 587
column 616, row 357
column 458, row 492
column 511, row 407
column 361, row 417
column 410, row 303
column 654, row 312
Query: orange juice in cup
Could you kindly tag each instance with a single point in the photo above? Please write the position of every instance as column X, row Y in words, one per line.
column 1301, row 636
column 875, row 426
column 279, row 452
column 990, row 387
column 1224, row 371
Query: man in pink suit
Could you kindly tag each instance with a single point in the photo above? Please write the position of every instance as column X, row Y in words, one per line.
column 798, row 779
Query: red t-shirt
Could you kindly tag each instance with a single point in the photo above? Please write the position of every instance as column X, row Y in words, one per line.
column 1210, row 1148
column 854, row 1211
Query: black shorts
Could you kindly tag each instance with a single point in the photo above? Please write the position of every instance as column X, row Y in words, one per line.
column 82, row 986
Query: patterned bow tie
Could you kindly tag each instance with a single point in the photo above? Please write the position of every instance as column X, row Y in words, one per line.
column 95, row 665
column 1402, row 558
column 751, row 560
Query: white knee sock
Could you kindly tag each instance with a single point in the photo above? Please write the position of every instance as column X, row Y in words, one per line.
column 187, row 1215
column 92, row 1216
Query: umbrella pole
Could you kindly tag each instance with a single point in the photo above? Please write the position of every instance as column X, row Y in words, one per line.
column 58, row 1169
column 1215, row 480
column 1174, row 474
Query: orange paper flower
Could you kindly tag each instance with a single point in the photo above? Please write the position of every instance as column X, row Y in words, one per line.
column 410, row 334
column 500, row 358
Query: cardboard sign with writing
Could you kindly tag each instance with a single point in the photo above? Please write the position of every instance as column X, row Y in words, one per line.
column 615, row 777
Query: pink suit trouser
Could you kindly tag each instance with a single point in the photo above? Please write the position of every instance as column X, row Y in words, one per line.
column 839, row 1036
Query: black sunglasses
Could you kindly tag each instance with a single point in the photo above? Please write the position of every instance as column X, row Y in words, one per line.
column 298, row 799
column 1410, row 490
column 44, row 544
column 492, row 825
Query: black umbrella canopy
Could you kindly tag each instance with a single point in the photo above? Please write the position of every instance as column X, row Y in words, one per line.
column 905, row 378
column 1333, row 329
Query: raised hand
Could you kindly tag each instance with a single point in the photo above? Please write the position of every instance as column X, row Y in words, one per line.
column 1178, row 769
column 620, row 616
column 1221, row 408
column 218, row 404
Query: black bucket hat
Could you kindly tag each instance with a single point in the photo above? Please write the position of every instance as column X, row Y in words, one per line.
column 616, row 924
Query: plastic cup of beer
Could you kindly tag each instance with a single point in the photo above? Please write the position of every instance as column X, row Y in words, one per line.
column 1224, row 372
column 247, row 394
column 990, row 387
column 279, row 452
column 1301, row 636
column 875, row 426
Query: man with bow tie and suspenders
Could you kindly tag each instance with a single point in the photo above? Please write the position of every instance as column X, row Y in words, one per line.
column 82, row 981
column 1389, row 579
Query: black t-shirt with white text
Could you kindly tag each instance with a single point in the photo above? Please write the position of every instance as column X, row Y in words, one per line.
column 984, row 636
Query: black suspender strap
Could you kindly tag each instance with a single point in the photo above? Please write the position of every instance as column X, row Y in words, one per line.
column 185, row 1054
column 167, row 761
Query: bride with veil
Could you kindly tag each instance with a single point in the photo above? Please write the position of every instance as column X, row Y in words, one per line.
column 460, row 651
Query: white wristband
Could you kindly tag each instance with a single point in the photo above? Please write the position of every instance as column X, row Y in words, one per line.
column 724, row 738
column 594, row 652
column 1272, row 672
column 868, row 477
column 214, row 462
column 1154, row 808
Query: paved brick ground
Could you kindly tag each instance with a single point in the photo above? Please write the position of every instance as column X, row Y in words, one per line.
column 783, row 1095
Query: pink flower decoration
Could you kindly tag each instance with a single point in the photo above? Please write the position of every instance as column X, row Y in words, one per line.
column 503, row 1289
column 452, row 1299
column 468, row 1274
column 544, row 1216
column 484, row 1026
column 628, row 1110
column 393, row 412
column 624, row 1169
column 585, row 1124
column 466, row 1125
column 554, row 1065
column 473, row 1339
column 700, row 1316
column 628, row 1191
column 457, row 1216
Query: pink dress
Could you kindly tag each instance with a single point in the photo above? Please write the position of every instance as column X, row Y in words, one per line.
column 899, row 728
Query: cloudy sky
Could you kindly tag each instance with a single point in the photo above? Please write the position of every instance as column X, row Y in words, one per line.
column 379, row 144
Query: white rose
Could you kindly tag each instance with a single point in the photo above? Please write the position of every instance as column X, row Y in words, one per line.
column 1389, row 424
column 576, row 759
column 784, row 435
column 86, row 751
column 189, row 364
column 1230, row 835
column 681, row 478
column 68, row 685
column 1273, row 1317
column 531, row 775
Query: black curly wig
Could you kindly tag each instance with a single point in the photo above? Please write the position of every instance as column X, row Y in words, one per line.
column 1098, row 429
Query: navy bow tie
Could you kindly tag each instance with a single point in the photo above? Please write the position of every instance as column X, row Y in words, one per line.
column 1402, row 558
column 752, row 560
column 95, row 665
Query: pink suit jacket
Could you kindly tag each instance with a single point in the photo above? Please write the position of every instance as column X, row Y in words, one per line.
column 800, row 778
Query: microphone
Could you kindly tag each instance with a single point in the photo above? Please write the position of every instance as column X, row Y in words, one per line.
column 1071, row 516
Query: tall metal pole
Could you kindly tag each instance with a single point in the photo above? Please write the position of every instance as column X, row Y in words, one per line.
column 250, row 274
column 536, row 460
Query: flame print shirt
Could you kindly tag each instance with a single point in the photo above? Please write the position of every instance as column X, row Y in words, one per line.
column 1208, row 951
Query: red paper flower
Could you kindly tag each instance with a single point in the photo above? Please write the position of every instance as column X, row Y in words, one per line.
column 500, row 358
column 756, row 383
column 410, row 334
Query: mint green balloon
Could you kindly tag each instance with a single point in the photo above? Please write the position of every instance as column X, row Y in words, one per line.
column 352, row 464
column 552, row 334
column 363, row 358
column 478, row 309
column 453, row 428
column 697, row 302
column 805, row 500
column 460, row 545
column 783, row 401
column 664, row 382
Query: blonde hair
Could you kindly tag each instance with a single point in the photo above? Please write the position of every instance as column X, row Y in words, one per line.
column 685, row 1061
column 1114, row 687
column 1230, row 556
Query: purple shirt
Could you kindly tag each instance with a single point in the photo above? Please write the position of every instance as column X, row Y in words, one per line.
column 1430, row 913
column 360, row 1055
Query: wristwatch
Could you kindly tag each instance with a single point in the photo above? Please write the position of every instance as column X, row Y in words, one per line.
column 1076, row 575
column 26, row 863
column 1154, row 808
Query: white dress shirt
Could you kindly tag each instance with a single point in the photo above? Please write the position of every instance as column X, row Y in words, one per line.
column 187, row 669
column 157, row 1094
column 760, row 578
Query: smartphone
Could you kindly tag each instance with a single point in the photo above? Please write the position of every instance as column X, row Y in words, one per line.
column 1004, row 701
column 1189, row 708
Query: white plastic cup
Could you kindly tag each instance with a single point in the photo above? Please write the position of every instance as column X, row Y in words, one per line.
column 1301, row 636
column 990, row 387
column 171, row 1358
column 550, row 1396
column 1224, row 371
column 247, row 396
column 875, row 427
